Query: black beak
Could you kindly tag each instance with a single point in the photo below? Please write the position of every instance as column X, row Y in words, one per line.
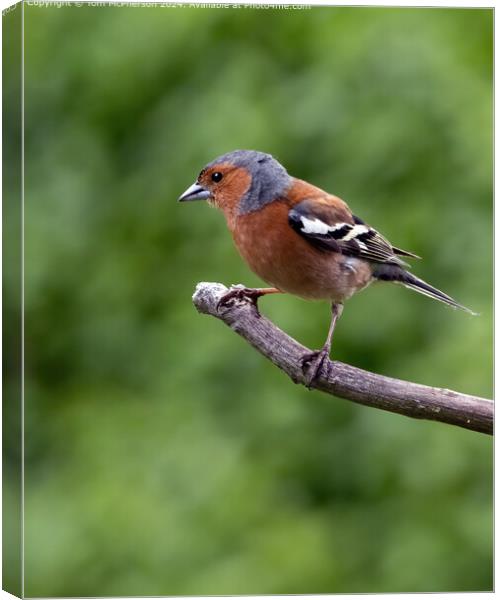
column 195, row 192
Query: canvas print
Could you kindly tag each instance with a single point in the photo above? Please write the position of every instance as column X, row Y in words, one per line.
column 289, row 394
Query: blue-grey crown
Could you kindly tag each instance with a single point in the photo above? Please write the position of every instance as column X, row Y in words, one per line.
column 269, row 177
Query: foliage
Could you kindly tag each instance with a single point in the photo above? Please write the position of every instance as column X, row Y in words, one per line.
column 163, row 455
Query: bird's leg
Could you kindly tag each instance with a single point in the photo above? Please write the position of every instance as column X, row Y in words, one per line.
column 239, row 292
column 312, row 362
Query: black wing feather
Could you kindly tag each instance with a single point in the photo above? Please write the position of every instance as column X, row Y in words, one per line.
column 352, row 239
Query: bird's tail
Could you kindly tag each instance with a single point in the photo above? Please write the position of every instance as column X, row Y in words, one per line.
column 396, row 274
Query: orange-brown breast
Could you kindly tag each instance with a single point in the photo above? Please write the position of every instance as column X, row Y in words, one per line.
column 281, row 257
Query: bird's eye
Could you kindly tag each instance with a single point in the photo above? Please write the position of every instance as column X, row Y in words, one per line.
column 216, row 176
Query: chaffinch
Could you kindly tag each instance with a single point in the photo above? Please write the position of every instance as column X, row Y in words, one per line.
column 299, row 238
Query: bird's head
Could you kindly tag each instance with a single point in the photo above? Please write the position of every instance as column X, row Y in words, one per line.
column 239, row 182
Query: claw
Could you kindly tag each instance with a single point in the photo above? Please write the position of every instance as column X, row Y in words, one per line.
column 240, row 293
column 312, row 364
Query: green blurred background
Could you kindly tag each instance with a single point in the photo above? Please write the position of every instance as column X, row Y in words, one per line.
column 163, row 454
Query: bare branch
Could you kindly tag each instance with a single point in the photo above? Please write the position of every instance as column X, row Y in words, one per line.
column 403, row 397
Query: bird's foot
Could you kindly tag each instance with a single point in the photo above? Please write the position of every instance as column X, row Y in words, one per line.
column 312, row 364
column 242, row 293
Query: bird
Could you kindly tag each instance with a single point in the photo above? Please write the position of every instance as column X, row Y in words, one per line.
column 300, row 240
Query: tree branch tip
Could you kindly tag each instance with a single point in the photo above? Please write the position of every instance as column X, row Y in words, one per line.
column 206, row 295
